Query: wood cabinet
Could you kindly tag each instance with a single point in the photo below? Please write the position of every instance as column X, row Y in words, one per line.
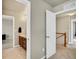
column 22, row 42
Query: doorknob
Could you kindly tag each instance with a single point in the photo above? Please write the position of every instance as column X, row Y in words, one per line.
column 47, row 36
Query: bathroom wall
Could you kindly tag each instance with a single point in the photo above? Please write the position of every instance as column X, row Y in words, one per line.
column 19, row 21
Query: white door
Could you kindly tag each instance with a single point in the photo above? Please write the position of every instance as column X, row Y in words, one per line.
column 73, row 30
column 50, row 33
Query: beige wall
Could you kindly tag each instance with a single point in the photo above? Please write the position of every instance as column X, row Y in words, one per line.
column 19, row 21
column 64, row 25
column 38, row 27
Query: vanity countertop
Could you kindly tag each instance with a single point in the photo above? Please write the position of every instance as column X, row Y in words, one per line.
column 21, row 34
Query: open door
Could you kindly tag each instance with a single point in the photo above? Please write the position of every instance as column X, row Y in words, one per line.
column 50, row 34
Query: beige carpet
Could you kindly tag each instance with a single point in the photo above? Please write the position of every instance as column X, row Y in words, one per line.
column 14, row 53
column 64, row 53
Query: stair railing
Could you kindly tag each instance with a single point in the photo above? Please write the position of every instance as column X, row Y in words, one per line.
column 62, row 34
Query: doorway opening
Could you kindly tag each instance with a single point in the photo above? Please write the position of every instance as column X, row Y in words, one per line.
column 65, row 39
column 66, row 23
column 19, row 10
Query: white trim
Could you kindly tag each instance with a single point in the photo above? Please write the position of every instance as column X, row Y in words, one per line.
column 72, row 39
column 24, row 2
column 65, row 11
column 7, row 16
column 43, row 57
column 13, row 32
column 70, row 42
column 28, row 31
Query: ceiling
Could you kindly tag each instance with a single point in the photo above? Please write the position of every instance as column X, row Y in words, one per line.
column 54, row 3
column 12, row 5
column 69, row 13
column 16, row 6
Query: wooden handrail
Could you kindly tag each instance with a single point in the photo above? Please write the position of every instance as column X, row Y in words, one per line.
column 62, row 34
column 59, row 33
column 59, row 36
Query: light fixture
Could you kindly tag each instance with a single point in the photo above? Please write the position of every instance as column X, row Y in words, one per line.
column 71, row 14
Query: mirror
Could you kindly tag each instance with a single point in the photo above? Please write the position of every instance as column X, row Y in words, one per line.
column 7, row 32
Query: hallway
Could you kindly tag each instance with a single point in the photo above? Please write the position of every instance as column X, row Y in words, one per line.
column 64, row 53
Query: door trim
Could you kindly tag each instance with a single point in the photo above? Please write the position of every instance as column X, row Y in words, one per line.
column 28, row 32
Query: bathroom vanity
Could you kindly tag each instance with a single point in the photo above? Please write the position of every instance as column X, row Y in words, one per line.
column 22, row 42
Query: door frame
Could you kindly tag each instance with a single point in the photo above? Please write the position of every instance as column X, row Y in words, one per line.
column 29, row 47
column 63, row 11
column 72, row 39
column 28, row 32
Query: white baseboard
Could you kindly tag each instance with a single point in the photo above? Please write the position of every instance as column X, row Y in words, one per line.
column 72, row 45
column 16, row 46
column 43, row 57
column 70, row 42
